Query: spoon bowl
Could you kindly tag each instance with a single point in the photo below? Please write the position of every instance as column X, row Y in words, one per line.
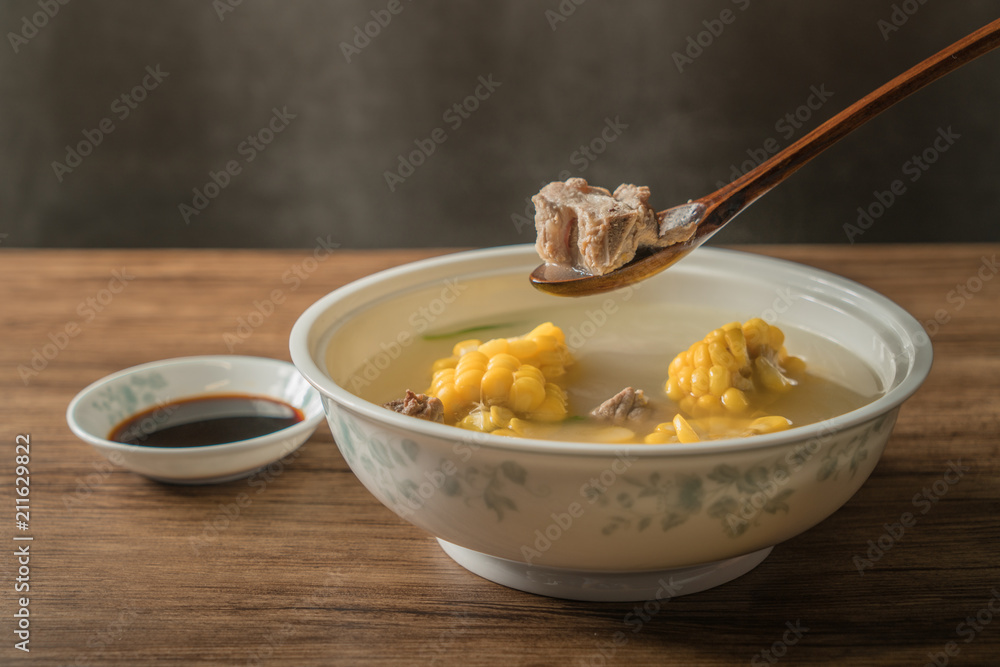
column 710, row 213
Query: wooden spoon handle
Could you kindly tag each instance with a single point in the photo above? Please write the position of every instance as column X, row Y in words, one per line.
column 731, row 199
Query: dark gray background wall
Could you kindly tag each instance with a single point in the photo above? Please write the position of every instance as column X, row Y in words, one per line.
column 609, row 67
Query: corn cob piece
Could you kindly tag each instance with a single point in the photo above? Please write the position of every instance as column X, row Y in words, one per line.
column 504, row 382
column 733, row 370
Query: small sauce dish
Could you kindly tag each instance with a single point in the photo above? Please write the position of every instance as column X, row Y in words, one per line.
column 254, row 410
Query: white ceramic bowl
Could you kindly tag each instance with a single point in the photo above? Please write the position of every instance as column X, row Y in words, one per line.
column 108, row 402
column 592, row 521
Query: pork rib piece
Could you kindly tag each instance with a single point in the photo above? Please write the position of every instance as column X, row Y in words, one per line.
column 628, row 405
column 587, row 228
column 420, row 406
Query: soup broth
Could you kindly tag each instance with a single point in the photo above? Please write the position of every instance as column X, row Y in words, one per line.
column 633, row 346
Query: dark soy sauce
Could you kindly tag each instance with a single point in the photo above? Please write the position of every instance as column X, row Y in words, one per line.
column 206, row 420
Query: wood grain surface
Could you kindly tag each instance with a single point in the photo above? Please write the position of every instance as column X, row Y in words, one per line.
column 314, row 571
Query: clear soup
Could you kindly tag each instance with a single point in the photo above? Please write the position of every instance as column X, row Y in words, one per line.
column 633, row 346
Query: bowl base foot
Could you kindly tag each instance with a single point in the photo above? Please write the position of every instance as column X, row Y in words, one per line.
column 570, row 584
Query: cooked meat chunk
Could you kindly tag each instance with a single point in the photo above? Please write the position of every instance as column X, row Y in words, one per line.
column 420, row 406
column 588, row 228
column 626, row 406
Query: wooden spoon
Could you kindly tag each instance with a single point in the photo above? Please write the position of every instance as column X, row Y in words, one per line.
column 713, row 211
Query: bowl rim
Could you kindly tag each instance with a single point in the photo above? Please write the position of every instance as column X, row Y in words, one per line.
column 312, row 410
column 303, row 359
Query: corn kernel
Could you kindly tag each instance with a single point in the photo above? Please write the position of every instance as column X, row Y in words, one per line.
column 500, row 416
column 721, row 356
column 659, row 438
column 614, row 435
column 491, row 348
column 529, row 429
column 771, row 424
column 699, row 381
column 718, row 380
column 685, row 432
column 776, row 337
column 551, row 372
column 495, row 385
column 472, row 422
column 443, row 376
column 794, row 366
column 526, row 394
column 549, row 411
column 708, row 405
column 735, row 401
column 701, row 357
column 504, row 360
column 519, row 426
column 529, row 371
column 737, row 344
column 465, row 346
column 551, row 358
column 546, row 342
column 548, row 329
column 676, row 365
column 449, row 398
column 468, row 384
column 715, row 336
column 471, row 359
column 684, row 379
column 770, row 376
column 441, row 364
column 674, row 391
column 523, row 348
column 757, row 333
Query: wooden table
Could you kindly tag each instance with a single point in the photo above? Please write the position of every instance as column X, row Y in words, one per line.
column 314, row 571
